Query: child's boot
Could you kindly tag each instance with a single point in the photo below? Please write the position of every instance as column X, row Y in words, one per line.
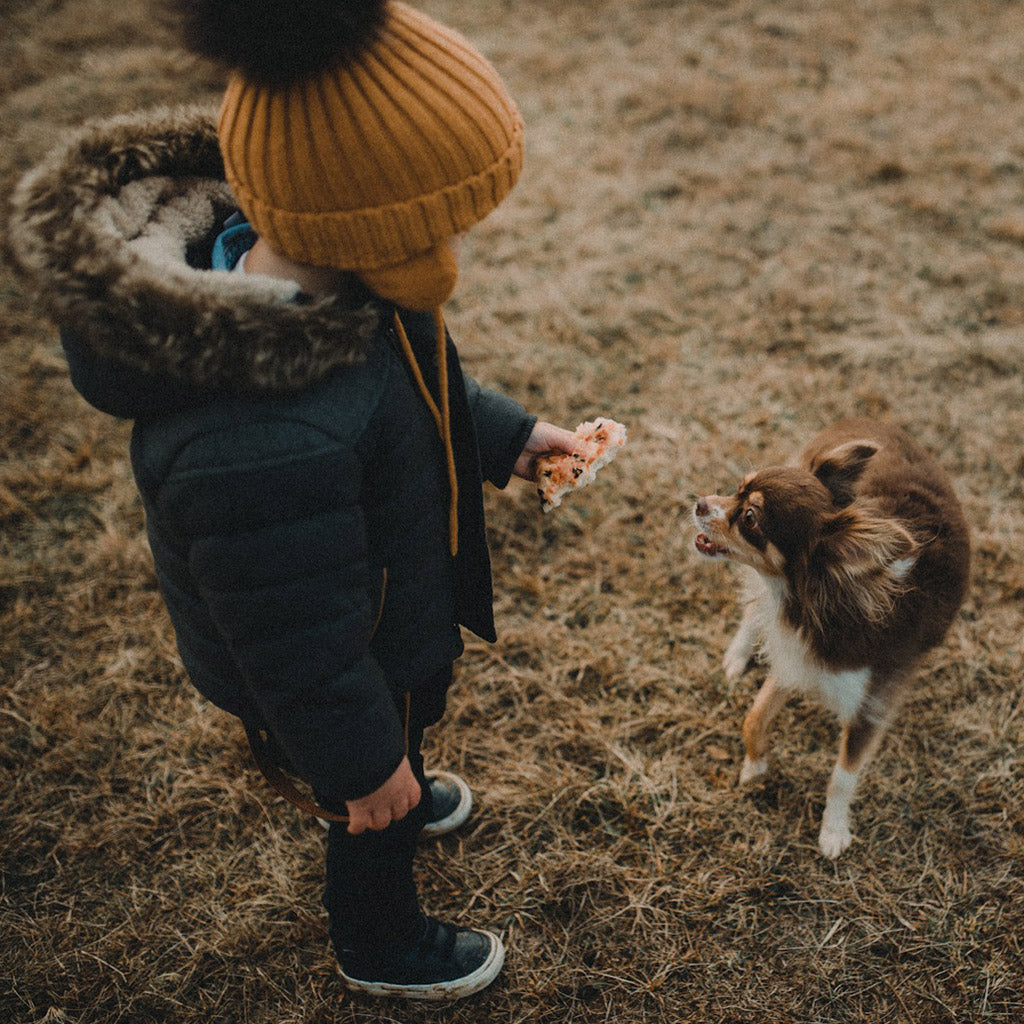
column 451, row 801
column 446, row 963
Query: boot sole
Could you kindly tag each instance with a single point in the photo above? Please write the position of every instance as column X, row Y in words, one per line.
column 442, row 991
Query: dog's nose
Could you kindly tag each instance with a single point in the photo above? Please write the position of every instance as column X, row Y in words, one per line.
column 702, row 508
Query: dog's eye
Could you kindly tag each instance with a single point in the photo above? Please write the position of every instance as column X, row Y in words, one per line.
column 750, row 517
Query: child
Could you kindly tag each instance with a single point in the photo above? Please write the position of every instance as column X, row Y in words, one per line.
column 309, row 453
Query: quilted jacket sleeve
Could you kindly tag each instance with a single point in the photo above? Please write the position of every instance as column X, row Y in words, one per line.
column 502, row 429
column 277, row 550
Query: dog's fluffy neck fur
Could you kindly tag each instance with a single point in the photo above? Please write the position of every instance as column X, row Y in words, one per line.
column 845, row 579
column 790, row 645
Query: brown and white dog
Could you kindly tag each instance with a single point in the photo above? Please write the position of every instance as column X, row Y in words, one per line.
column 860, row 557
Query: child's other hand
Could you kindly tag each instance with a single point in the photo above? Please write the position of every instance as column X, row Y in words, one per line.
column 544, row 439
column 392, row 802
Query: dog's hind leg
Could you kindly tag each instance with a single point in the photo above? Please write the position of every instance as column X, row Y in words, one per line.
column 859, row 741
column 767, row 704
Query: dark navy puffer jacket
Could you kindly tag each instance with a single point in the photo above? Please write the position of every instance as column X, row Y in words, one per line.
column 293, row 478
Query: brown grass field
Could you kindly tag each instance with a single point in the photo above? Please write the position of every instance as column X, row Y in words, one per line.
column 739, row 220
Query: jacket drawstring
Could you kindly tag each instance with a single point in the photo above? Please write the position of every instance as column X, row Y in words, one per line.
column 442, row 415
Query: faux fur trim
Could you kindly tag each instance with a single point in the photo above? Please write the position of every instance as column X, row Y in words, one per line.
column 100, row 231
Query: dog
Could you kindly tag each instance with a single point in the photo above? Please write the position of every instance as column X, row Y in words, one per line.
column 858, row 560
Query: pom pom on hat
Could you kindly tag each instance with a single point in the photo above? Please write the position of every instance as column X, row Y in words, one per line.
column 276, row 43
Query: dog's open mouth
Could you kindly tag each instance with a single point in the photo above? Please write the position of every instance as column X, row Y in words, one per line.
column 706, row 546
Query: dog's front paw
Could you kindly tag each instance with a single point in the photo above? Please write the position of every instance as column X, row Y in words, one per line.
column 834, row 840
column 752, row 770
column 735, row 661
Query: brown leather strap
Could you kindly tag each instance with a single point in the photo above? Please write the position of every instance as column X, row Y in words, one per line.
column 267, row 756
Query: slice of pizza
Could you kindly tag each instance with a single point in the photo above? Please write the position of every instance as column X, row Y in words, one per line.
column 597, row 443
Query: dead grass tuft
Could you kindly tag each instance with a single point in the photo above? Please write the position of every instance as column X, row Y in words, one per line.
column 736, row 224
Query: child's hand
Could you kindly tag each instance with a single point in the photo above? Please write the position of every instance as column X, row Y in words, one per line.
column 392, row 802
column 544, row 439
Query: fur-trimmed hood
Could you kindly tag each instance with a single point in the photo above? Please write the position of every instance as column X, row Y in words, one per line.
column 111, row 232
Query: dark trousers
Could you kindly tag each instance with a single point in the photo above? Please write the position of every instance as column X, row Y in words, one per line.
column 370, row 893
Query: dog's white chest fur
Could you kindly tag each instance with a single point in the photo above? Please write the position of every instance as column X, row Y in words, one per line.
column 791, row 660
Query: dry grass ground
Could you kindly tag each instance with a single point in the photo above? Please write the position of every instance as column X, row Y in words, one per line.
column 739, row 220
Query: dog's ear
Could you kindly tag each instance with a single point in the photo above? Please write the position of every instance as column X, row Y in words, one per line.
column 839, row 468
column 861, row 563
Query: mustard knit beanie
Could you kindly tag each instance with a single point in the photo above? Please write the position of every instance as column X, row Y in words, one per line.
column 375, row 161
